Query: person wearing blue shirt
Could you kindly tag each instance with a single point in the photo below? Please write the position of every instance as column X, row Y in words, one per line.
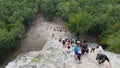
column 76, row 48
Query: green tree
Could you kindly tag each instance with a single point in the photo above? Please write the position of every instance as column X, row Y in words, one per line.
column 80, row 22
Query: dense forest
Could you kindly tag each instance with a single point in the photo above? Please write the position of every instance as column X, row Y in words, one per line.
column 15, row 16
column 96, row 17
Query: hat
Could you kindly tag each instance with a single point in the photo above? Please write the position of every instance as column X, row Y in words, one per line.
column 78, row 41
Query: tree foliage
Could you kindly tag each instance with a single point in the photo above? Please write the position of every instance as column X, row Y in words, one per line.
column 14, row 16
column 79, row 23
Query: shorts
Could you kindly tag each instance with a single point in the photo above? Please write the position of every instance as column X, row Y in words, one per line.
column 83, row 51
column 76, row 53
column 102, row 60
column 68, row 51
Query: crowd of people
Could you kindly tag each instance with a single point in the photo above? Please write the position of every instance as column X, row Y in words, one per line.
column 80, row 48
column 56, row 31
column 77, row 46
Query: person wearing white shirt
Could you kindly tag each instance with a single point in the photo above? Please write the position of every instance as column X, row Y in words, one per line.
column 99, row 50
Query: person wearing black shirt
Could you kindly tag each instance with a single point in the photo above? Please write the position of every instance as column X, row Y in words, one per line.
column 101, row 58
column 84, row 47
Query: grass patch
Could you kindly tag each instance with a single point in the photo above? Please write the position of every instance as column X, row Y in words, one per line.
column 37, row 58
column 24, row 60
